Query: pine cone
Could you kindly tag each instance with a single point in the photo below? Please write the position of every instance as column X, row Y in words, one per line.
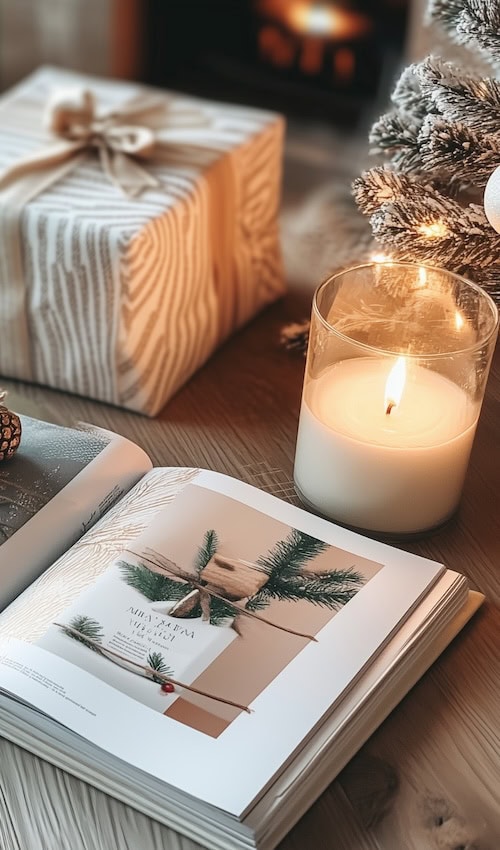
column 10, row 431
column 295, row 336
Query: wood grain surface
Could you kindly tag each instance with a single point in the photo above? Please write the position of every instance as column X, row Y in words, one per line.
column 429, row 778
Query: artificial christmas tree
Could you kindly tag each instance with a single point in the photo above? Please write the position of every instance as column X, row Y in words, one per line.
column 441, row 141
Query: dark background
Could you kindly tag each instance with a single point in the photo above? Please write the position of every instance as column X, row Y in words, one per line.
column 283, row 54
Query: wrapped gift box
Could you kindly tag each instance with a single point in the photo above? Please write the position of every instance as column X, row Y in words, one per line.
column 122, row 298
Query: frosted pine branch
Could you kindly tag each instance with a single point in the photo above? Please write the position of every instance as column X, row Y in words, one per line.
column 375, row 187
column 394, row 135
column 415, row 230
column 473, row 23
column 471, row 100
column 445, row 12
column 381, row 185
column 489, row 278
column 478, row 25
column 457, row 152
column 447, row 152
column 408, row 97
column 419, row 222
column 441, row 142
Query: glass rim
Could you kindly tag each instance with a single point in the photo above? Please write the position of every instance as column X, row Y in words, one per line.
column 386, row 351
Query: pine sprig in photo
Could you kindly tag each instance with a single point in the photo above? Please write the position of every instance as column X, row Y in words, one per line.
column 156, row 661
column 207, row 550
column 289, row 579
column 330, row 590
column 87, row 628
column 283, row 571
column 158, row 587
column 153, row 585
column 291, row 554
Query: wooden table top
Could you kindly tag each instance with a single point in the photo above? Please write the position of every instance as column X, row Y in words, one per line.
column 430, row 776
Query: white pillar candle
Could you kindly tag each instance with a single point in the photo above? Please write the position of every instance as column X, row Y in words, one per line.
column 396, row 466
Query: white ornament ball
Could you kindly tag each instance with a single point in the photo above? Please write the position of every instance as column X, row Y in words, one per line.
column 492, row 199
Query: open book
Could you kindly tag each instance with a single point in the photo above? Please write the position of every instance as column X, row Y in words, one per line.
column 205, row 652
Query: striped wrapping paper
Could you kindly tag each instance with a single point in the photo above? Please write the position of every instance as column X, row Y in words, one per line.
column 126, row 299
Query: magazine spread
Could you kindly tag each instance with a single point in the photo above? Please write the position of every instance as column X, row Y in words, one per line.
column 58, row 484
column 207, row 621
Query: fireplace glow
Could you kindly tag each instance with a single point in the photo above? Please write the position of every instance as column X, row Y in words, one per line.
column 275, row 47
column 307, row 17
column 344, row 64
column 325, row 60
column 319, row 20
column 317, row 38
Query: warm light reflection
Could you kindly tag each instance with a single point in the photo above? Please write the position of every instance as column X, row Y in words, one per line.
column 436, row 230
column 459, row 321
column 395, row 385
column 422, row 276
column 381, row 258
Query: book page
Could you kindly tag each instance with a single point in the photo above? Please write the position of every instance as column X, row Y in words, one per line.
column 58, row 484
column 231, row 626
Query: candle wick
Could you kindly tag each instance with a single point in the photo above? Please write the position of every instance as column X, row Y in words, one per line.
column 389, row 407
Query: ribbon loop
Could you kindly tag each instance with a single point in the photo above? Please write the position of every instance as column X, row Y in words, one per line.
column 70, row 112
column 71, row 116
column 136, row 141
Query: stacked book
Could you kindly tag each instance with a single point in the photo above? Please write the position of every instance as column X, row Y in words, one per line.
column 195, row 647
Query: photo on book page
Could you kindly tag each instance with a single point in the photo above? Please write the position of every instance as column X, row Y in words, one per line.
column 216, row 596
column 49, row 457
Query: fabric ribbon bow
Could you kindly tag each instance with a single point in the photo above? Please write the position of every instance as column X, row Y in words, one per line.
column 121, row 138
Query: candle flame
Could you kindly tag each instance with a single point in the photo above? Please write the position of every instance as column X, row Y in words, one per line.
column 395, row 384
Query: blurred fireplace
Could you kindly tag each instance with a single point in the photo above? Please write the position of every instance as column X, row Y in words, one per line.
column 324, row 58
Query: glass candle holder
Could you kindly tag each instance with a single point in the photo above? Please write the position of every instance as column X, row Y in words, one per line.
column 397, row 364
